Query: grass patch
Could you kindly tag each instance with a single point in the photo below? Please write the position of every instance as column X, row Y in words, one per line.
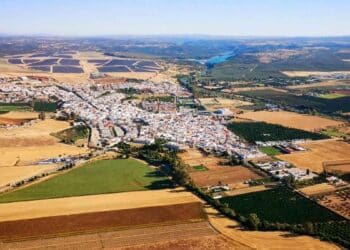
column 271, row 151
column 105, row 176
column 331, row 96
column 71, row 135
column 280, row 205
column 199, row 168
column 333, row 132
column 7, row 107
column 262, row 131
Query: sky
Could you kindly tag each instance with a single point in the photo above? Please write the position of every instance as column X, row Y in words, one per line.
column 176, row 17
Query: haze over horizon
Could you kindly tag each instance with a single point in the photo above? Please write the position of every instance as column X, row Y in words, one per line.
column 193, row 17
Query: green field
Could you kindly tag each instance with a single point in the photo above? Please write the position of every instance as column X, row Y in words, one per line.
column 7, row 107
column 261, row 131
column 331, row 96
column 271, row 151
column 280, row 205
column 105, row 176
column 71, row 135
column 322, row 105
column 199, row 168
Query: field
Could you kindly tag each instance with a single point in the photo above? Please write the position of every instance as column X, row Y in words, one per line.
column 271, row 151
column 30, row 143
column 194, row 157
column 338, row 201
column 291, row 120
column 8, row 107
column 213, row 104
column 264, row 240
column 261, row 131
column 72, row 135
column 17, row 173
column 225, row 175
column 318, row 152
column 322, row 105
column 182, row 236
column 105, row 176
column 280, row 205
column 101, row 220
column 331, row 95
column 317, row 189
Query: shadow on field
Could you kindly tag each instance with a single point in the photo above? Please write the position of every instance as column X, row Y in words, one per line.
column 159, row 184
column 154, row 174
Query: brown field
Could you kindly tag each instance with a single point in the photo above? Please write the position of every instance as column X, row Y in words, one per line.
column 318, row 189
column 14, row 174
column 339, row 166
column 338, row 201
column 318, row 152
column 105, row 220
column 198, row 235
column 226, row 175
column 291, row 119
column 215, row 103
column 27, row 144
column 83, row 204
column 17, row 118
column 246, row 190
column 194, row 157
column 264, row 240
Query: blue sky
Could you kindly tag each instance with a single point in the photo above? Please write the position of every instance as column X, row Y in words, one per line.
column 142, row 17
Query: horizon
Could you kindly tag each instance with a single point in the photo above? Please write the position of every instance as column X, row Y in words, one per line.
column 253, row 18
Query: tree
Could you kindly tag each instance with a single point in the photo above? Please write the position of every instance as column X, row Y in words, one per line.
column 309, row 228
column 42, row 116
column 253, row 221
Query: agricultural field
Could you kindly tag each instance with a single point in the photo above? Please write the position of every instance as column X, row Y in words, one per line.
column 194, row 157
column 261, row 131
column 224, row 175
column 318, row 189
column 16, row 117
column 105, row 176
column 18, row 173
column 318, row 152
column 322, row 105
column 270, row 151
column 72, row 135
column 338, row 201
column 8, row 107
column 264, row 240
column 280, row 205
column 28, row 144
column 292, row 120
column 213, row 104
column 198, row 235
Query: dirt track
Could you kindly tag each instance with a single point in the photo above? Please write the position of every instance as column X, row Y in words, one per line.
column 93, row 203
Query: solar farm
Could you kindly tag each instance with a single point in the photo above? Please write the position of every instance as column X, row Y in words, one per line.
column 72, row 63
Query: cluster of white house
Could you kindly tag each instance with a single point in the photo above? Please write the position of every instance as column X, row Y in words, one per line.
column 282, row 169
column 102, row 108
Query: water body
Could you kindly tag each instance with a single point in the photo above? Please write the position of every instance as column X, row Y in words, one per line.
column 210, row 62
column 219, row 59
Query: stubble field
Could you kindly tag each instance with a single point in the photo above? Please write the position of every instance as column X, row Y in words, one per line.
column 292, row 120
column 318, row 152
